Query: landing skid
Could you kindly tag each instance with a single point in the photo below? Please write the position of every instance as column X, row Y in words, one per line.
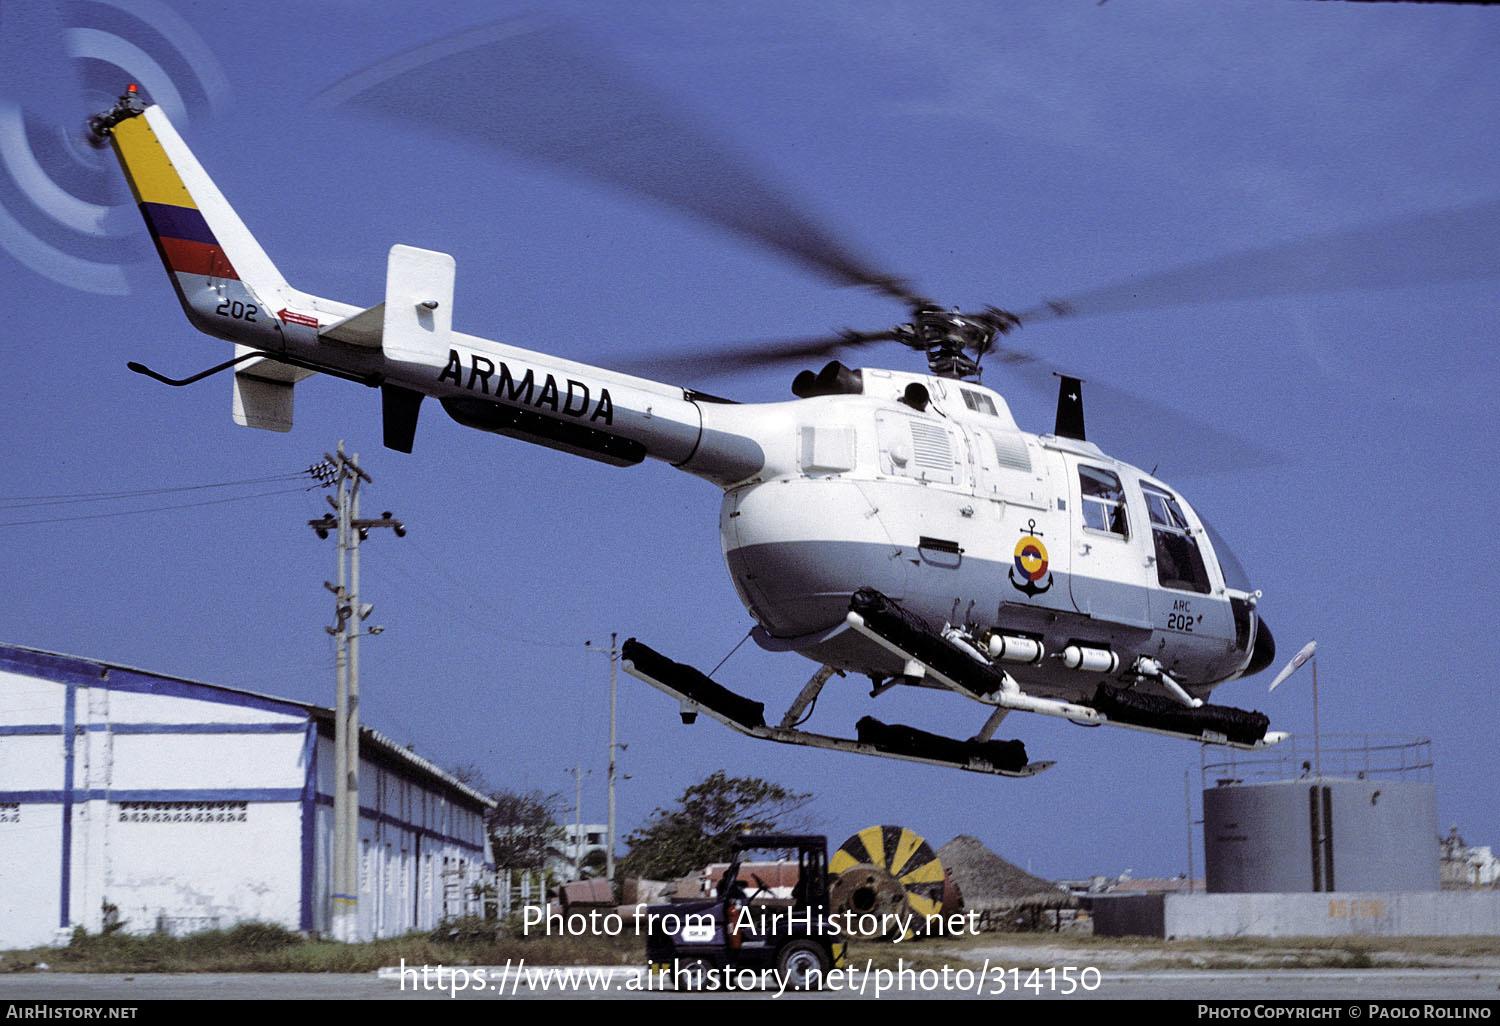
column 891, row 741
column 884, row 622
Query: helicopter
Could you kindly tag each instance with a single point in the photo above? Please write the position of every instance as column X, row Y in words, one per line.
column 888, row 524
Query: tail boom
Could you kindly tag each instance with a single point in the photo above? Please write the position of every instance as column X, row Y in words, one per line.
column 405, row 346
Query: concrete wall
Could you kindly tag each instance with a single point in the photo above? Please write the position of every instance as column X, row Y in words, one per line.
column 1129, row 915
column 1377, row 913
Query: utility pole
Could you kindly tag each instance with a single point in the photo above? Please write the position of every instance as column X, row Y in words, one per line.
column 614, row 662
column 1187, row 790
column 349, row 617
column 1317, row 738
column 578, row 773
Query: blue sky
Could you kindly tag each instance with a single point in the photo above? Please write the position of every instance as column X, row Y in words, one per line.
column 993, row 153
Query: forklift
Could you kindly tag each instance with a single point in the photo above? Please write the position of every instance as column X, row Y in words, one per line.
column 705, row 945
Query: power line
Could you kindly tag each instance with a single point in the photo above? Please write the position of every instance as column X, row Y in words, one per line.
column 23, row 501
column 156, row 509
column 447, row 605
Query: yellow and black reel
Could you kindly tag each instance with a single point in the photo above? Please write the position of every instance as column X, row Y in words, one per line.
column 887, row 877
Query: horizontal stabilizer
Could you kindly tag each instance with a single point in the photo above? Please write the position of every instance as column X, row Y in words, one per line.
column 363, row 329
column 263, row 392
column 416, row 318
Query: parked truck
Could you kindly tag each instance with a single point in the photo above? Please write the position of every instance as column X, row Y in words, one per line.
column 787, row 942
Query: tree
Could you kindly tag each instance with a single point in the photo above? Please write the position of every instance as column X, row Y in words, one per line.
column 594, row 864
column 525, row 830
column 703, row 826
column 469, row 774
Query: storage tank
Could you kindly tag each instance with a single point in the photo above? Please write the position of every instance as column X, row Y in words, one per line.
column 1364, row 818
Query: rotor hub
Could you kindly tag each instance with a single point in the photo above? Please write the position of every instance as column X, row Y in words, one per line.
column 949, row 336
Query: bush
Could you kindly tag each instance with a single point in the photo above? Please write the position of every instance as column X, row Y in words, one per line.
column 256, row 936
column 465, row 930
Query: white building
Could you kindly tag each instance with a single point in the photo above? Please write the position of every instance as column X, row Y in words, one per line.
column 578, row 843
column 175, row 805
column 1466, row 865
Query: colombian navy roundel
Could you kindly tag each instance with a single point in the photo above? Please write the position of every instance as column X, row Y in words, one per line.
column 1031, row 558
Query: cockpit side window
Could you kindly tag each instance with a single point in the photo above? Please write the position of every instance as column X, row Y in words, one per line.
column 1103, row 501
column 1179, row 562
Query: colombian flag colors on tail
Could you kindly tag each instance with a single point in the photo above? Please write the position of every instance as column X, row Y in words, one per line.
column 183, row 237
column 220, row 272
column 227, row 285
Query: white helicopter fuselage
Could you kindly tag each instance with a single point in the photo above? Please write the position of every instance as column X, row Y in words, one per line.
column 951, row 510
column 920, row 487
column 965, row 520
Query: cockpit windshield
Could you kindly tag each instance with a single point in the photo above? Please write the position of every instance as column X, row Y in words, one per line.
column 1234, row 574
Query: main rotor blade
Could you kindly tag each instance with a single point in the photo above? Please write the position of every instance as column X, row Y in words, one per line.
column 538, row 87
column 1141, row 431
column 1431, row 248
column 739, row 356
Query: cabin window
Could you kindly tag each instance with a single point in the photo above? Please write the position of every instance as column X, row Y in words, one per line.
column 979, row 402
column 1103, row 501
column 1179, row 563
column 1164, row 510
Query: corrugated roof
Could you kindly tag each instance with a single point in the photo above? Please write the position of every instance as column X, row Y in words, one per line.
column 369, row 736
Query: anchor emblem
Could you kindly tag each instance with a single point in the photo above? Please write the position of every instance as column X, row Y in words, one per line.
column 1031, row 563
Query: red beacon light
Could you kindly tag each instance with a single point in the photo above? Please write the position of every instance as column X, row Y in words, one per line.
column 129, row 105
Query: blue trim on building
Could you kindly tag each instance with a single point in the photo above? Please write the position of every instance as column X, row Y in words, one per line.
column 365, row 812
column 309, row 822
column 73, row 670
column 63, row 669
column 69, row 741
column 46, row 729
column 69, row 796
column 204, row 728
column 221, row 794
column 92, row 673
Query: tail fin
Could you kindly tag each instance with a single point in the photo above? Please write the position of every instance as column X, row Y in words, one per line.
column 225, row 281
